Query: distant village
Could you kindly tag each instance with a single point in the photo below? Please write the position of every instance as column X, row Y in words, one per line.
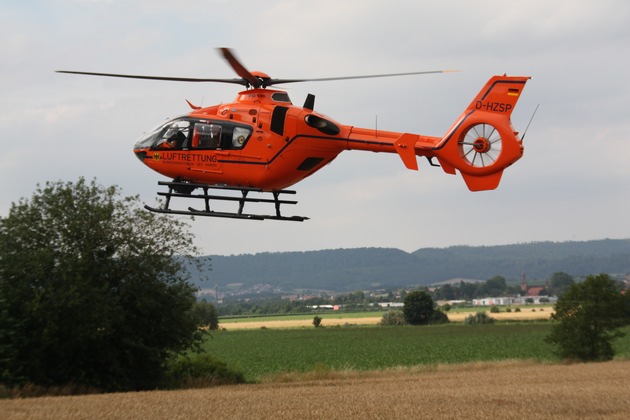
column 236, row 299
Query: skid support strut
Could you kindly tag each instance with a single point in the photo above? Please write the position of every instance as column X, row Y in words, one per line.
column 185, row 190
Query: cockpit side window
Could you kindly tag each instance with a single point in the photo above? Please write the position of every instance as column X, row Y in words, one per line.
column 174, row 135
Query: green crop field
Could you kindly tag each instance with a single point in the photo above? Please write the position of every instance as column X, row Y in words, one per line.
column 262, row 352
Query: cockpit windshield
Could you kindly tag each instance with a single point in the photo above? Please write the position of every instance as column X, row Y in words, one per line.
column 192, row 133
column 169, row 132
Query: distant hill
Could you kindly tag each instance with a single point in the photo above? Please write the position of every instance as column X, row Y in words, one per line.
column 373, row 268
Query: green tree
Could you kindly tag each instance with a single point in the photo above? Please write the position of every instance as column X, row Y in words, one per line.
column 446, row 292
column 559, row 282
column 468, row 290
column 495, row 286
column 91, row 289
column 418, row 308
column 205, row 315
column 589, row 315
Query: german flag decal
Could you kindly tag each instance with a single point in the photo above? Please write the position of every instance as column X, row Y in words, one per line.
column 513, row 92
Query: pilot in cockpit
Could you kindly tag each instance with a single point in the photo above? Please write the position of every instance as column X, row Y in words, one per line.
column 174, row 139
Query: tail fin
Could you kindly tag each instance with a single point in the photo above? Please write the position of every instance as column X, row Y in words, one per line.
column 482, row 142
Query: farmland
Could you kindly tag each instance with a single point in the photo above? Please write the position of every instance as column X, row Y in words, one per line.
column 449, row 370
column 510, row 389
column 537, row 312
column 264, row 353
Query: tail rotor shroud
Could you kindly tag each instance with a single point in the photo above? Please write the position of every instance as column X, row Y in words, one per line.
column 480, row 145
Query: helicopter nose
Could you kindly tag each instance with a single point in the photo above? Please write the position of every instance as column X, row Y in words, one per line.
column 140, row 154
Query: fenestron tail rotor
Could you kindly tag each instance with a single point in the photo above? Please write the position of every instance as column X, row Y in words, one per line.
column 480, row 145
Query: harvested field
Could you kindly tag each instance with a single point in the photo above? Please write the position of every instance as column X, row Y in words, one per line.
column 481, row 390
column 526, row 314
column 296, row 323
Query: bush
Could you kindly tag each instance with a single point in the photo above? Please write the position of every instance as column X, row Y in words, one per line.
column 495, row 309
column 393, row 317
column 205, row 315
column 478, row 318
column 438, row 317
column 317, row 321
column 199, row 371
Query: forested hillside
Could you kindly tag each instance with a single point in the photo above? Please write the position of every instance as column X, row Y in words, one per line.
column 372, row 268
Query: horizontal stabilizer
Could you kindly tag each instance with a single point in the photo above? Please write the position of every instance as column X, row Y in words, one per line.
column 405, row 146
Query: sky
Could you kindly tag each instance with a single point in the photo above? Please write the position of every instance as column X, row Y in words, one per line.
column 572, row 183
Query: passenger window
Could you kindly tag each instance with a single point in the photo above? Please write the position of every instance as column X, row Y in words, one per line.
column 206, row 136
column 240, row 136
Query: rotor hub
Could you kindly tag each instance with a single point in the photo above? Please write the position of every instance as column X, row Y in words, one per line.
column 482, row 145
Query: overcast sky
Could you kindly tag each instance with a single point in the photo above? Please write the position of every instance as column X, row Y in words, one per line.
column 572, row 183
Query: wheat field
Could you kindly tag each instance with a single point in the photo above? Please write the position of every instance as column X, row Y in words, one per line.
column 512, row 389
column 527, row 314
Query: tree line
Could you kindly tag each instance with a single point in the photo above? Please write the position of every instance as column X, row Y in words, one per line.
column 366, row 301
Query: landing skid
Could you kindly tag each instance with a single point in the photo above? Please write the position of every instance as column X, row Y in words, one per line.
column 185, row 190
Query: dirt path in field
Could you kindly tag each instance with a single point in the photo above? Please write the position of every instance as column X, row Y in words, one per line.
column 484, row 390
column 525, row 314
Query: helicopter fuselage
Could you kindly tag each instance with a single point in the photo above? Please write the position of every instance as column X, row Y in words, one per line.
column 261, row 140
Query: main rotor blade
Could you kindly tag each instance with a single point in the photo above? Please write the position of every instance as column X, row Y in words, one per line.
column 371, row 76
column 171, row 79
column 239, row 68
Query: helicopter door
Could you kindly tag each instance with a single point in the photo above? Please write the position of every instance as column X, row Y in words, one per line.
column 205, row 141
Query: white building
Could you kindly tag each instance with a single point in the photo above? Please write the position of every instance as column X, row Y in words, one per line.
column 520, row 300
column 491, row 301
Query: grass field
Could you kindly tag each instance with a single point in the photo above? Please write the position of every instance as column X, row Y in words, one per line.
column 264, row 353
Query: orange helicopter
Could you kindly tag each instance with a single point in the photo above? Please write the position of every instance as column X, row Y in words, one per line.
column 262, row 143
